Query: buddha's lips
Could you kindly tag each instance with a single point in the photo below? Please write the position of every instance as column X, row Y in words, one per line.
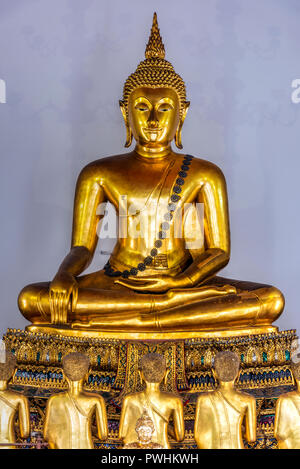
column 153, row 130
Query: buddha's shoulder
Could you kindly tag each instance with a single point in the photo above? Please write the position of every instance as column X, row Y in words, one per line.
column 206, row 169
column 57, row 398
column 167, row 396
column 205, row 396
column 106, row 165
column 288, row 397
column 244, row 396
column 13, row 396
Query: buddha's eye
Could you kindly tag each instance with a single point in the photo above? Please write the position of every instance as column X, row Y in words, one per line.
column 141, row 107
column 164, row 107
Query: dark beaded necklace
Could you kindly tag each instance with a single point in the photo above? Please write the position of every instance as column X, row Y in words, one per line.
column 164, row 227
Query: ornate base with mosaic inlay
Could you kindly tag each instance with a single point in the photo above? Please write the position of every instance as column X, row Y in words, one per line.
column 265, row 373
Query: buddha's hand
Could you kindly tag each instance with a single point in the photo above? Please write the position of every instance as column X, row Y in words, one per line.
column 159, row 283
column 63, row 288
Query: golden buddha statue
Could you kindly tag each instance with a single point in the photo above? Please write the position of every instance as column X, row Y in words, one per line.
column 221, row 413
column 156, row 282
column 68, row 420
column 12, row 405
column 287, row 415
column 144, row 429
column 160, row 406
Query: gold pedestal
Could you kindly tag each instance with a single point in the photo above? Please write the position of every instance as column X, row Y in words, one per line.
column 151, row 335
column 265, row 371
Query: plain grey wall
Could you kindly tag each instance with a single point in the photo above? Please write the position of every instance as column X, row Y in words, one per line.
column 64, row 63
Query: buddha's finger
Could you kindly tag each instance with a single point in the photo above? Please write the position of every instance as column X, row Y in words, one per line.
column 130, row 285
column 51, row 306
column 59, row 307
column 140, row 279
column 55, row 308
column 146, row 286
column 73, row 299
column 132, row 282
column 67, row 298
column 64, row 299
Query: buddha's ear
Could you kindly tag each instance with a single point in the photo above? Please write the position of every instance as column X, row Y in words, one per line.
column 140, row 373
column 215, row 376
column 166, row 376
column 185, row 108
column 128, row 129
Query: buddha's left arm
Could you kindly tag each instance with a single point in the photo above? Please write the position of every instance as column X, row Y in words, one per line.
column 213, row 195
column 24, row 419
column 250, row 421
column 282, row 424
column 101, row 419
column 178, row 420
column 123, row 426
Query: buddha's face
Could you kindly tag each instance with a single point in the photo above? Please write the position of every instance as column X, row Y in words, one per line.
column 145, row 433
column 153, row 115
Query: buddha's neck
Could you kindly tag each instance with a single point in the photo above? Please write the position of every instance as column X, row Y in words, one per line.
column 152, row 387
column 75, row 387
column 3, row 385
column 153, row 153
column 226, row 386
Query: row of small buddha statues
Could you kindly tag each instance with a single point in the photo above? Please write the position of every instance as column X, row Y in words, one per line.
column 224, row 417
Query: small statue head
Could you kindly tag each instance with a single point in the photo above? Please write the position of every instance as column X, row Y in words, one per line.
column 153, row 368
column 295, row 366
column 7, row 366
column 76, row 366
column 226, row 366
column 154, row 102
column 144, row 428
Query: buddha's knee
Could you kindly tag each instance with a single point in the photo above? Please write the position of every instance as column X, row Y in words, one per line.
column 30, row 300
column 272, row 303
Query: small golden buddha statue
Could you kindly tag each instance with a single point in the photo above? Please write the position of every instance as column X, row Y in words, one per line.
column 69, row 415
column 221, row 413
column 156, row 282
column 160, row 406
column 144, row 429
column 12, row 405
column 287, row 415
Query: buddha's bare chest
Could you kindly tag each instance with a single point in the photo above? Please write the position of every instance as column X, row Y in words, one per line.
column 149, row 186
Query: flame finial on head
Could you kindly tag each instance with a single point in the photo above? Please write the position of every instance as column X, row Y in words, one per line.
column 155, row 46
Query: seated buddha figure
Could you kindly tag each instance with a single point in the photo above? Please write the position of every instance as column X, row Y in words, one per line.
column 69, row 415
column 12, row 405
column 220, row 414
column 155, row 280
column 287, row 415
column 144, row 430
column 160, row 406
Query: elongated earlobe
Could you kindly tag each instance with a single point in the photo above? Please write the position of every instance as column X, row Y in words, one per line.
column 166, row 376
column 178, row 141
column 128, row 129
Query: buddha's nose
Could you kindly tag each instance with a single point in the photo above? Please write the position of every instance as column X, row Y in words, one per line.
column 153, row 120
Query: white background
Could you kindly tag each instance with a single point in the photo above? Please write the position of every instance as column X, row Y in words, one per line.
column 64, row 63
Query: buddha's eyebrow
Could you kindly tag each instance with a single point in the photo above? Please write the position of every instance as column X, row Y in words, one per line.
column 166, row 100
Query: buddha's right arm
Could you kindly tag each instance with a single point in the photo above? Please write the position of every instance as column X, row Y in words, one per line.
column 89, row 196
column 87, row 215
